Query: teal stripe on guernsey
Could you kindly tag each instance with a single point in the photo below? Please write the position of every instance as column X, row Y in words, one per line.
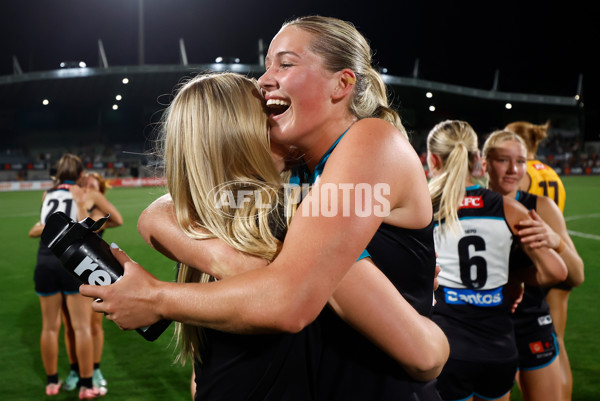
column 481, row 218
column 295, row 179
column 364, row 254
column 472, row 187
column 319, row 169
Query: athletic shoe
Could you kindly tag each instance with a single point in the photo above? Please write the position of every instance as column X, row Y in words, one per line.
column 71, row 381
column 102, row 391
column 52, row 388
column 86, row 393
column 98, row 379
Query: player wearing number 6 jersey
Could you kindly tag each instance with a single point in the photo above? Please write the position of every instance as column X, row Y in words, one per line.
column 473, row 237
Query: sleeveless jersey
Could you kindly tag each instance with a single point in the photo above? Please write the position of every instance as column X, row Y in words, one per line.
column 533, row 311
column 59, row 199
column 472, row 307
column 353, row 368
column 545, row 182
column 49, row 276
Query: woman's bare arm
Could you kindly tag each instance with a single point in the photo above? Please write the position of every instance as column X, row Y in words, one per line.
column 549, row 266
column 290, row 292
column 159, row 228
column 106, row 207
column 36, row 230
column 415, row 341
column 547, row 228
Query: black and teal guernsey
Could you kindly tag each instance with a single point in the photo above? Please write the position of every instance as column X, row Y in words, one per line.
column 472, row 307
column 533, row 311
column 328, row 360
column 534, row 329
column 353, row 368
column 274, row 367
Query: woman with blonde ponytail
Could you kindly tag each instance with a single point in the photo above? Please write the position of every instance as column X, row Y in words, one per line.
column 473, row 236
column 542, row 180
column 324, row 100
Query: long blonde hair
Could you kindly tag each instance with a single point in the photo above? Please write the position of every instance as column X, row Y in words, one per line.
column 455, row 143
column 216, row 149
column 341, row 46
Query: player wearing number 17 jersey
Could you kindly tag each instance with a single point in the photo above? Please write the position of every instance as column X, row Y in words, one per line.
column 473, row 238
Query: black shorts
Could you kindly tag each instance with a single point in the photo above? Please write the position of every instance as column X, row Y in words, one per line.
column 51, row 277
column 461, row 380
column 537, row 350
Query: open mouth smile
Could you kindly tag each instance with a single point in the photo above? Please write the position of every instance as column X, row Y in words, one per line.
column 277, row 106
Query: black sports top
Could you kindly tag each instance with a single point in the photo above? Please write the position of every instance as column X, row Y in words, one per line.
column 533, row 311
column 353, row 368
column 472, row 306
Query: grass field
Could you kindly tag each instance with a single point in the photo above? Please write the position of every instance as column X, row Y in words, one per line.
column 139, row 370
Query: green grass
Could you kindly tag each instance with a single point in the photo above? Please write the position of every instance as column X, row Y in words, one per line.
column 582, row 212
column 135, row 369
column 140, row 370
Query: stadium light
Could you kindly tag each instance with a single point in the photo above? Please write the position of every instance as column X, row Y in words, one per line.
column 508, row 106
column 45, row 102
column 118, row 97
column 125, row 81
column 115, row 106
column 432, row 108
column 219, row 59
column 429, row 95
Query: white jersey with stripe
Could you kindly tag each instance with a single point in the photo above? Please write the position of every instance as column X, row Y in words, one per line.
column 59, row 199
column 477, row 256
column 472, row 305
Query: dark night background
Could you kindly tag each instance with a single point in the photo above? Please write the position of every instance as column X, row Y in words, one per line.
column 537, row 47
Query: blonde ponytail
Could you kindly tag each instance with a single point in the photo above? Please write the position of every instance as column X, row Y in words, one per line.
column 455, row 143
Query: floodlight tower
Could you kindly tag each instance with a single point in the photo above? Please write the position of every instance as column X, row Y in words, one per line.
column 140, row 32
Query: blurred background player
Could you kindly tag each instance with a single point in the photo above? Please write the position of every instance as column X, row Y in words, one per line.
column 539, row 375
column 97, row 206
column 57, row 288
column 542, row 180
column 473, row 238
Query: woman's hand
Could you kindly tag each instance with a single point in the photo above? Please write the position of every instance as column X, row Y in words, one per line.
column 535, row 233
column 131, row 301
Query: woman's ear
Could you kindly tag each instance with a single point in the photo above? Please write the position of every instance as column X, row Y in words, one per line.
column 346, row 81
column 484, row 165
column 434, row 162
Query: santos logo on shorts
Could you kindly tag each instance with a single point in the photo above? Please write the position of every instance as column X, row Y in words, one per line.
column 462, row 296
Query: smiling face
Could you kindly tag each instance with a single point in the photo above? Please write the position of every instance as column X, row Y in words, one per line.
column 297, row 88
column 506, row 165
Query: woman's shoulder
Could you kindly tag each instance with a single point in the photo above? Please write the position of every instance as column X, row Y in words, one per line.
column 375, row 135
column 374, row 124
